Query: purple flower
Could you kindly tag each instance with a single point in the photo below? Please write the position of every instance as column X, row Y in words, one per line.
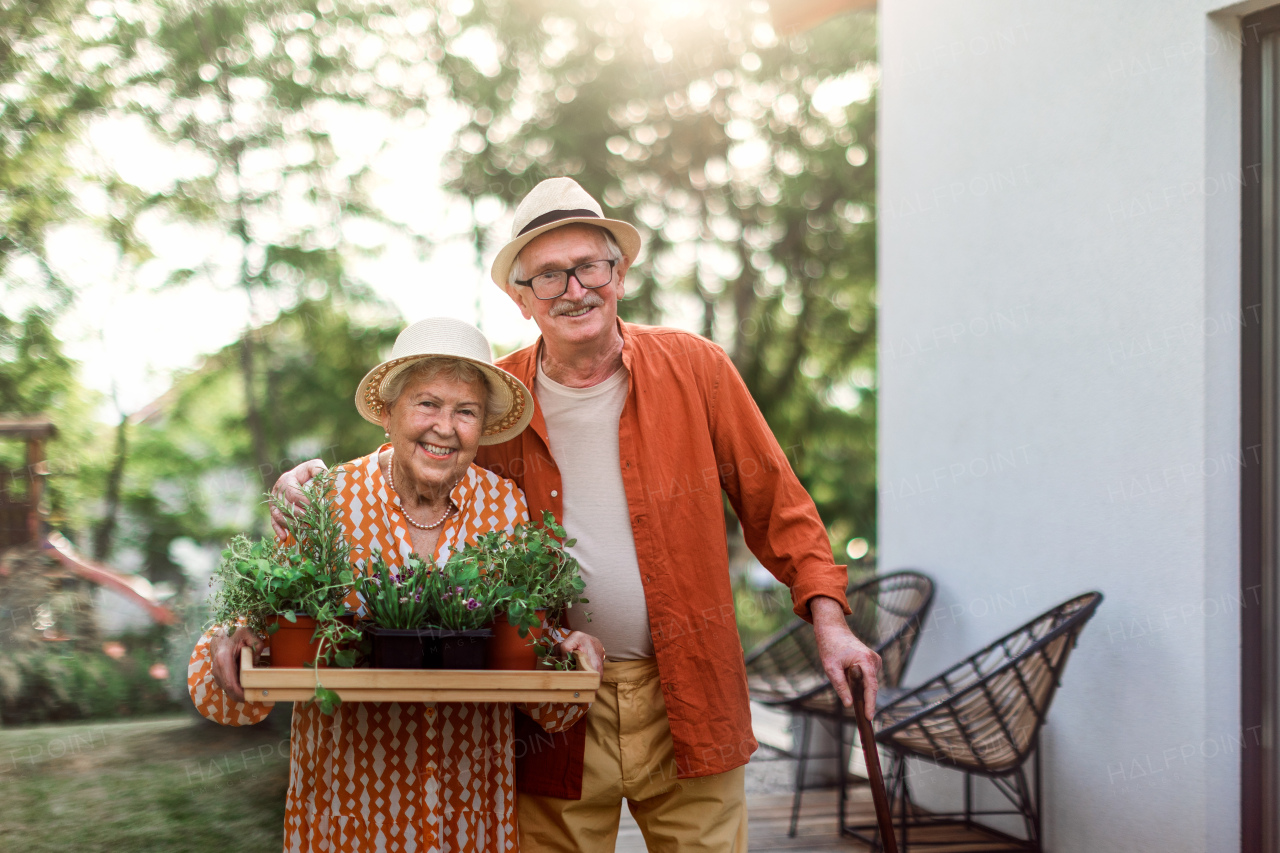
column 472, row 604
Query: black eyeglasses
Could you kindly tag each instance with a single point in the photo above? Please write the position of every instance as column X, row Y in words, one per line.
column 553, row 284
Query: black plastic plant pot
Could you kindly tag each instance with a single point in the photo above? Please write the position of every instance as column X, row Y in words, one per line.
column 395, row 648
column 455, row 649
column 429, row 648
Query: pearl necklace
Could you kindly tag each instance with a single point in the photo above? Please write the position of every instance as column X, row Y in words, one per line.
column 391, row 463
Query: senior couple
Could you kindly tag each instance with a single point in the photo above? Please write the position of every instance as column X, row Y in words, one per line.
column 630, row 436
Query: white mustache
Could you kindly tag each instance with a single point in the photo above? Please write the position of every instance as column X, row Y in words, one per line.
column 589, row 300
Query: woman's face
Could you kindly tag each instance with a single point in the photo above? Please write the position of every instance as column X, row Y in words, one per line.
column 435, row 426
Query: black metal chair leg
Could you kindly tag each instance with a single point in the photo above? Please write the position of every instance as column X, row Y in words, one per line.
column 904, row 842
column 968, row 800
column 1038, row 823
column 801, row 764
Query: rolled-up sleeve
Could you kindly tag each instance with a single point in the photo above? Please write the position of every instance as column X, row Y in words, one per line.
column 779, row 521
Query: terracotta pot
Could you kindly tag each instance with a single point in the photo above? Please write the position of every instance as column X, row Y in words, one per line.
column 508, row 650
column 291, row 645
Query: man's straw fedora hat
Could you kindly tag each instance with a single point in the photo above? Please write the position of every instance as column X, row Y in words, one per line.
column 551, row 204
column 444, row 337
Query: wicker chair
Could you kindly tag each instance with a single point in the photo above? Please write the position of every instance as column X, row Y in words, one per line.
column 983, row 717
column 785, row 670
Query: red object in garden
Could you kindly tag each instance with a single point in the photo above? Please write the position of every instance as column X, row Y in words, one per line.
column 508, row 650
column 291, row 644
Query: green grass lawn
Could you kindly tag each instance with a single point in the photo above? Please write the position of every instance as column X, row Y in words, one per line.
column 144, row 786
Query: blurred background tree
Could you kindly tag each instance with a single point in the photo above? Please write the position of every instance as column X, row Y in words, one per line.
column 746, row 158
column 744, row 155
column 192, row 472
column 49, row 87
column 248, row 92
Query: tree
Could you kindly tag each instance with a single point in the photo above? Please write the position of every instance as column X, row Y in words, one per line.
column 747, row 160
column 252, row 89
column 49, row 57
column 193, row 471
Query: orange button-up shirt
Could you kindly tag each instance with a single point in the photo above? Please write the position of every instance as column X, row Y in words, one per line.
column 688, row 431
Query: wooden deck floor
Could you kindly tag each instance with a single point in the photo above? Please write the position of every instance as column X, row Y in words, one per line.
column 769, row 817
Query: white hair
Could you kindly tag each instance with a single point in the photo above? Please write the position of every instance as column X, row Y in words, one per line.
column 611, row 245
column 434, row 368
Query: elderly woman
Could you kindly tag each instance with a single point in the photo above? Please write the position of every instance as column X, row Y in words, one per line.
column 390, row 776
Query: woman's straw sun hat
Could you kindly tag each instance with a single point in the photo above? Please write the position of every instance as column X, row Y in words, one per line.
column 444, row 337
column 551, row 204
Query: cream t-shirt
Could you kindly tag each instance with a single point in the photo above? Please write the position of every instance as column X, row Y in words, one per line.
column 582, row 426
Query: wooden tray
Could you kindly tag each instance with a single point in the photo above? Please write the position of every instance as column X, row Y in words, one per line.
column 265, row 684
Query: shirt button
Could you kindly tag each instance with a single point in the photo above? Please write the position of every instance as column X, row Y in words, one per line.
column 554, row 493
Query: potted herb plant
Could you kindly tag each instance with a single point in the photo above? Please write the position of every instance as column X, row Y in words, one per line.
column 426, row 616
column 533, row 577
column 292, row 591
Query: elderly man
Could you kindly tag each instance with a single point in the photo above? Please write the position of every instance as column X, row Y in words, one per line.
column 636, row 433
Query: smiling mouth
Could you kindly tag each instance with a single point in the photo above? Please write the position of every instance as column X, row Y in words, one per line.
column 437, row 451
column 581, row 312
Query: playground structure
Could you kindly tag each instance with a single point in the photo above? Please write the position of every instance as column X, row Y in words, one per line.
column 24, row 526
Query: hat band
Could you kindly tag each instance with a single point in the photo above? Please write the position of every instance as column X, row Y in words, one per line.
column 556, row 216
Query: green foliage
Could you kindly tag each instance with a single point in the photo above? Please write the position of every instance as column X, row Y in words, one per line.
column 310, row 574
column 155, row 785
column 748, row 162
column 395, row 598
column 46, row 685
column 460, row 598
column 250, row 90
column 452, row 597
column 529, row 570
column 50, row 62
column 191, row 470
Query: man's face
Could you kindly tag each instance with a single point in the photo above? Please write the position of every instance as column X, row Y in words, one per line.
column 580, row 315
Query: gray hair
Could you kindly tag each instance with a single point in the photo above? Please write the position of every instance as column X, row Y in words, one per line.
column 611, row 245
column 434, row 368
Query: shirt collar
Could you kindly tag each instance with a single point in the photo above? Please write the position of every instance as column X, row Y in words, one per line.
column 528, row 371
column 461, row 494
column 466, row 489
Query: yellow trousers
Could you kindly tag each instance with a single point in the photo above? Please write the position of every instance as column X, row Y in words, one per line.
column 630, row 755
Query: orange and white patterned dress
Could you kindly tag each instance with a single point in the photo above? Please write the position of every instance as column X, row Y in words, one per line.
column 435, row 778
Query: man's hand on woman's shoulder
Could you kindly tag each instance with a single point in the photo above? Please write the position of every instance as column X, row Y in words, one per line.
column 289, row 488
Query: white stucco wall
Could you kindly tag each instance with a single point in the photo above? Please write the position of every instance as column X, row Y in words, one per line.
column 1060, row 317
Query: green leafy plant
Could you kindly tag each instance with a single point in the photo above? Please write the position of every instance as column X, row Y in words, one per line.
column 452, row 597
column 528, row 570
column 461, row 599
column 393, row 598
column 310, row 574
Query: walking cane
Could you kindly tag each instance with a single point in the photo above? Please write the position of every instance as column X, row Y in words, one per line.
column 866, row 734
